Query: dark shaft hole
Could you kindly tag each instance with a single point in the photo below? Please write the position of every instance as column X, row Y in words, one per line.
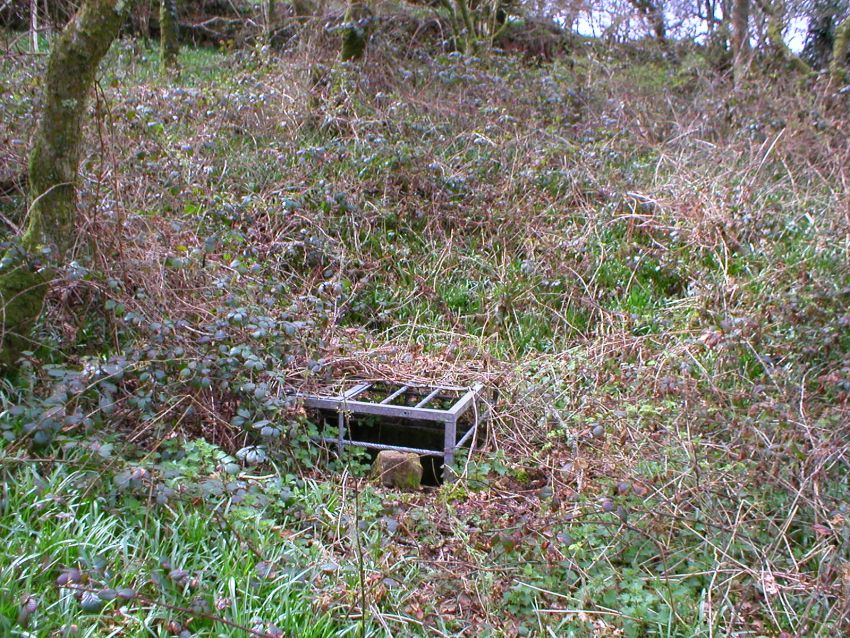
column 410, row 433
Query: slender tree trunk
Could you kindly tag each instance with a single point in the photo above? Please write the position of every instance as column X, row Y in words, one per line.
column 725, row 26
column 710, row 17
column 471, row 40
column 454, row 21
column 34, row 25
column 268, row 27
column 658, row 26
column 775, row 23
column 740, row 38
column 839, row 52
column 53, row 163
column 718, row 42
column 46, row 20
column 169, row 35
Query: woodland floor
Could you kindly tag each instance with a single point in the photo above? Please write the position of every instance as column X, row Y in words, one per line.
column 652, row 268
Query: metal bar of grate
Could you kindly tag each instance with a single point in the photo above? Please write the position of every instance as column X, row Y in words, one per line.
column 424, row 401
column 382, row 446
column 466, row 400
column 466, row 436
column 449, row 439
column 357, row 390
column 401, row 390
column 377, row 409
column 340, row 440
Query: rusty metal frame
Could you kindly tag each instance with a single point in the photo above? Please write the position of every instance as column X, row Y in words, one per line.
column 347, row 403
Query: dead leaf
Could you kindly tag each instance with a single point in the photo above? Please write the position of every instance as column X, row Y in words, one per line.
column 822, row 530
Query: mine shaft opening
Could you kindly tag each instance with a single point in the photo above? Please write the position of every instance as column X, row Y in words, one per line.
column 435, row 422
column 408, row 433
column 401, row 423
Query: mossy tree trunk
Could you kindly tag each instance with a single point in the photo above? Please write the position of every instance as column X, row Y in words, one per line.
column 775, row 11
column 658, row 26
column 740, row 39
column 837, row 71
column 53, row 164
column 718, row 43
column 169, row 35
column 355, row 35
column 820, row 34
column 466, row 35
column 454, row 21
column 471, row 39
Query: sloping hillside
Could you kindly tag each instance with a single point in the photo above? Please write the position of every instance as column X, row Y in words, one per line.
column 649, row 266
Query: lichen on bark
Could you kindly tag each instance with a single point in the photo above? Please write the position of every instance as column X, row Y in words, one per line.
column 53, row 164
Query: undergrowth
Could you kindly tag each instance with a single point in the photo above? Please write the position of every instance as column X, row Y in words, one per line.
column 651, row 267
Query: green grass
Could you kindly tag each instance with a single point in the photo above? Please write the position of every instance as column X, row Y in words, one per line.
column 55, row 517
column 138, row 63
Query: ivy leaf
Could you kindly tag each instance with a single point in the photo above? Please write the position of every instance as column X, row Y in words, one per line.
column 91, row 603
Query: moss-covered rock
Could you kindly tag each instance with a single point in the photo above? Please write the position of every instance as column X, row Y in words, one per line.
column 402, row 470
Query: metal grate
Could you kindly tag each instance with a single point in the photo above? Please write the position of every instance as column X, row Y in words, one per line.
column 442, row 405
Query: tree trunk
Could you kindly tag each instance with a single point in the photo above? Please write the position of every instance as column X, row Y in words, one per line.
column 356, row 34
column 820, row 35
column 471, row 40
column 46, row 22
column 740, row 38
column 839, row 52
column 658, row 27
column 775, row 12
column 653, row 12
column 34, row 25
column 454, row 22
column 775, row 26
column 169, row 42
column 53, row 163
column 268, row 23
